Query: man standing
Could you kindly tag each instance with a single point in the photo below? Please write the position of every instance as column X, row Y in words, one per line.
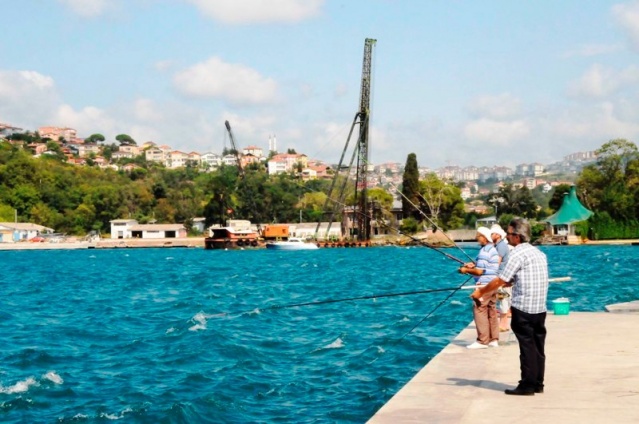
column 527, row 271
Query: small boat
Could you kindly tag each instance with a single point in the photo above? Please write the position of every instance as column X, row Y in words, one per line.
column 236, row 235
column 293, row 243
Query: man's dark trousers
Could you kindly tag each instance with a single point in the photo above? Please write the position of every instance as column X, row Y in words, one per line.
column 530, row 330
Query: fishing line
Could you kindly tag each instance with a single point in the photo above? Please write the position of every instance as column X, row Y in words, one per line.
column 346, row 299
column 396, row 342
column 415, row 239
column 430, row 220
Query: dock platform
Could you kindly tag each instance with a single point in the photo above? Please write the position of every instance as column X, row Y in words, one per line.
column 592, row 376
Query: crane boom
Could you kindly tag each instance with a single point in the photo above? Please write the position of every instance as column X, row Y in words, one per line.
column 336, row 197
column 364, row 221
column 237, row 153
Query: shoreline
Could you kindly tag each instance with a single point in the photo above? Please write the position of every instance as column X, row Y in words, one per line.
column 198, row 242
column 190, row 242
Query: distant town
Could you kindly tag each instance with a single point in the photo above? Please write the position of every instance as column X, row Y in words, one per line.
column 475, row 181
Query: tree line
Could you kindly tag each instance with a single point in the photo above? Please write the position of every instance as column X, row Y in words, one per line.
column 609, row 187
column 79, row 199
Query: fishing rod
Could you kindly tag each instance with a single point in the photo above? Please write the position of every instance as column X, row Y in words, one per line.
column 453, row 291
column 550, row 280
column 430, row 220
column 463, row 286
column 347, row 299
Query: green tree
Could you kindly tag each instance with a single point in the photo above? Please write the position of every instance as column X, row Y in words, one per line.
column 518, row 202
column 220, row 187
column 125, row 140
column 24, row 197
column 42, row 214
column 7, row 213
column 312, row 205
column 410, row 188
column 557, row 197
column 611, row 184
column 441, row 202
column 95, row 138
column 56, row 149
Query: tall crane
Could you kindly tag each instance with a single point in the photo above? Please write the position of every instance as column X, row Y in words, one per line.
column 364, row 219
column 242, row 181
column 362, row 118
column 234, row 147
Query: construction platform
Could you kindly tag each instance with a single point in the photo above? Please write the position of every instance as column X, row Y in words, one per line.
column 592, row 376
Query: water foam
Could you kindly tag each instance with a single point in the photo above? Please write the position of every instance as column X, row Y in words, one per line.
column 200, row 318
column 20, row 386
column 53, row 377
column 338, row 343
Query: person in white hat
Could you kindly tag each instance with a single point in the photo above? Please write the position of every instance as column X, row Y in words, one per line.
column 484, row 270
column 504, row 293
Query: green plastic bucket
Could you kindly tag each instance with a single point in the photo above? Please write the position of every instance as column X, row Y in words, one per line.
column 561, row 306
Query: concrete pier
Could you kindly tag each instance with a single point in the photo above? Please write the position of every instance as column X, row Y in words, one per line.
column 592, row 376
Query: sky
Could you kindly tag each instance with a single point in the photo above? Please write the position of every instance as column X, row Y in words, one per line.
column 458, row 82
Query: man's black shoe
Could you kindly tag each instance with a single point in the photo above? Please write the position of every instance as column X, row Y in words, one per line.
column 539, row 389
column 518, row 391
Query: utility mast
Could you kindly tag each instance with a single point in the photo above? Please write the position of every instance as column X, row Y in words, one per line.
column 362, row 220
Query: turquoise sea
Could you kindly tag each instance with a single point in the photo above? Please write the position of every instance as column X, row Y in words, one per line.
column 192, row 336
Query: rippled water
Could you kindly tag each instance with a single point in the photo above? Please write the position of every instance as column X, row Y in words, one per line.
column 191, row 336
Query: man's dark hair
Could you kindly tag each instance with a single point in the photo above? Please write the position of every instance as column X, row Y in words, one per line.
column 521, row 227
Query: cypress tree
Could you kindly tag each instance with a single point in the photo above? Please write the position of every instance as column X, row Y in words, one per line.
column 410, row 187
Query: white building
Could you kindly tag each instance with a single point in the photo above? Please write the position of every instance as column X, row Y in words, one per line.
column 121, row 228
column 158, row 231
column 211, row 160
column 129, row 228
column 20, row 231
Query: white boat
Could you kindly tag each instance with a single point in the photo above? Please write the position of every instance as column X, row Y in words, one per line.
column 293, row 243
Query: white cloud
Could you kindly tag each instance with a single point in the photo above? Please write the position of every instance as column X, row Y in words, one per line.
column 234, row 83
column 340, row 90
column 163, row 65
column 15, row 84
column 497, row 107
column 26, row 98
column 86, row 8
column 496, row 133
column 601, row 123
column 146, row 110
column 627, row 15
column 591, row 50
column 259, row 11
column 600, row 81
column 85, row 121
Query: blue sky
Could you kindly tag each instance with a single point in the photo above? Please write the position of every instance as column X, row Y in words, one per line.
column 459, row 82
